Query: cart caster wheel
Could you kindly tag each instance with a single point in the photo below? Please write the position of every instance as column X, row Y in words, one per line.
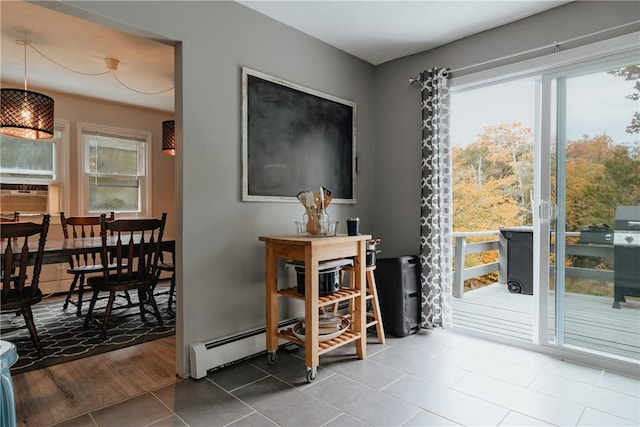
column 312, row 374
column 272, row 358
column 514, row 287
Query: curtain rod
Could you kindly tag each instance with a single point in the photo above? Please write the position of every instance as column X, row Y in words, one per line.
column 555, row 45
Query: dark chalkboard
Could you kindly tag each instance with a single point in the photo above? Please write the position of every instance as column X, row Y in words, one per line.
column 295, row 139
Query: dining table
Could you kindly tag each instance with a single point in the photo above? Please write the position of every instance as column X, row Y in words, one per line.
column 57, row 251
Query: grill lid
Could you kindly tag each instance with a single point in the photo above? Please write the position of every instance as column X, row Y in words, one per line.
column 628, row 218
column 627, row 231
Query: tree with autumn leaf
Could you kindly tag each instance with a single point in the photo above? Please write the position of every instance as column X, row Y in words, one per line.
column 601, row 175
column 493, row 179
column 492, row 182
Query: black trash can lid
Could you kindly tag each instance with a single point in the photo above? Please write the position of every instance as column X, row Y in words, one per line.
column 520, row 229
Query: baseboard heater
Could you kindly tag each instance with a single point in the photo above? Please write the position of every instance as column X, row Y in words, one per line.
column 204, row 356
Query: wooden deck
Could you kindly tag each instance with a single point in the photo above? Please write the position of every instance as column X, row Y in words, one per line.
column 590, row 322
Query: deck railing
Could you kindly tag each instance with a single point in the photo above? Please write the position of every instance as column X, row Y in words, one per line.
column 463, row 248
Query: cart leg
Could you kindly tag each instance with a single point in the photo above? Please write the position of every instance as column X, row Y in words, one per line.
column 360, row 303
column 271, row 288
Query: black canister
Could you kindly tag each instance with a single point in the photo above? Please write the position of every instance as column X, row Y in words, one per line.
column 328, row 280
column 371, row 258
column 371, row 251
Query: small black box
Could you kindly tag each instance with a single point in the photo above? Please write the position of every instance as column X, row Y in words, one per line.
column 602, row 236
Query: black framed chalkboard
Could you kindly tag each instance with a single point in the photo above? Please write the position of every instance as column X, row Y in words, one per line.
column 294, row 139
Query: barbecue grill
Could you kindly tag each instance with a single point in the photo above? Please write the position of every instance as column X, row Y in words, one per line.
column 626, row 254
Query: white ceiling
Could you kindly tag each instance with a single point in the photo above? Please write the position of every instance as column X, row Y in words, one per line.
column 145, row 65
column 378, row 31
column 374, row 30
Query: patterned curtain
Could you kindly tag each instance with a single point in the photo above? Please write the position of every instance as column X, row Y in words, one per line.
column 435, row 204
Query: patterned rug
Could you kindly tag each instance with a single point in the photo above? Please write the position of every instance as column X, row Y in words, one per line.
column 64, row 339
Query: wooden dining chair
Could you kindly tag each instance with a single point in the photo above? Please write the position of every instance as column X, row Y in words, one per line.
column 81, row 263
column 17, row 255
column 134, row 249
column 168, row 266
column 14, row 218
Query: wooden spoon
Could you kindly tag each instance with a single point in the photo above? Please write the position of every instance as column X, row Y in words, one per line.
column 302, row 197
column 313, row 226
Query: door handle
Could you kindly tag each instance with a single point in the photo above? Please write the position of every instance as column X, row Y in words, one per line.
column 546, row 211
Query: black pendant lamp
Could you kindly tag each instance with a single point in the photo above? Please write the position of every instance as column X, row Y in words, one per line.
column 23, row 113
column 169, row 137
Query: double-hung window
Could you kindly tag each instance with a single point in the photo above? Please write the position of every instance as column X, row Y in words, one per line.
column 37, row 163
column 114, row 170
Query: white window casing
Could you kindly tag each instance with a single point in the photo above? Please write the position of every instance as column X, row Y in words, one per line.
column 141, row 140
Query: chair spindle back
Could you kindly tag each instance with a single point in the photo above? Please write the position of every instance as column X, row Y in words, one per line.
column 15, row 255
column 135, row 249
column 15, row 218
column 82, row 227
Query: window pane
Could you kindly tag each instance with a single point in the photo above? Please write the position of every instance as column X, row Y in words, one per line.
column 492, row 138
column 597, row 163
column 114, row 194
column 113, row 156
column 491, row 131
column 114, row 165
column 24, row 158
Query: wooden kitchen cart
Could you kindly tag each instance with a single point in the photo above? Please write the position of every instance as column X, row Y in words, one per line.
column 311, row 251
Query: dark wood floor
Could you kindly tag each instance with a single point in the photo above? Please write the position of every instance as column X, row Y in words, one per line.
column 57, row 393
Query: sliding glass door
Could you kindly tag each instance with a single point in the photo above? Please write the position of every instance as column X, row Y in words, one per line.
column 583, row 133
column 591, row 158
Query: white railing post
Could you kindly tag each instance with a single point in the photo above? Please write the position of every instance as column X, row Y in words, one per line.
column 458, row 273
column 502, row 259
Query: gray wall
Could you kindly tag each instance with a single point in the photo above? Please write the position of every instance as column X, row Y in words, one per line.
column 397, row 124
column 220, row 260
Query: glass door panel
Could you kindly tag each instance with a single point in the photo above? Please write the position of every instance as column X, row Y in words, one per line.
column 492, row 135
column 595, row 158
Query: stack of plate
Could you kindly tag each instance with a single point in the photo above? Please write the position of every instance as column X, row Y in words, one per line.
column 329, row 326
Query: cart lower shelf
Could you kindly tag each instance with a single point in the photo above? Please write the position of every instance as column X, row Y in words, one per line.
column 346, row 337
column 343, row 294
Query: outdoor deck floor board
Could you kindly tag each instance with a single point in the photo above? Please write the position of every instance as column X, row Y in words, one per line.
column 590, row 321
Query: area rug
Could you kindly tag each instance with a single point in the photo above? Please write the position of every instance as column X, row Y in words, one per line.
column 64, row 339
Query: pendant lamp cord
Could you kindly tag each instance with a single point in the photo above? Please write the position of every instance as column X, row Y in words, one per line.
column 28, row 43
column 24, row 43
column 115, row 76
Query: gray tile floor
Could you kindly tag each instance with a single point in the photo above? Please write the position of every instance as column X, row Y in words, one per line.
column 434, row 378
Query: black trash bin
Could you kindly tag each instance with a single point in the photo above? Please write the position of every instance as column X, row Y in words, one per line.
column 519, row 259
column 398, row 285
